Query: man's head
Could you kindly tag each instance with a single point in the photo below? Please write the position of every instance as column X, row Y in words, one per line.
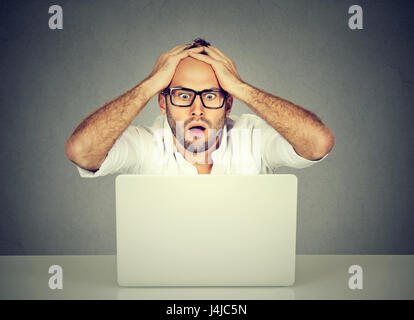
column 196, row 75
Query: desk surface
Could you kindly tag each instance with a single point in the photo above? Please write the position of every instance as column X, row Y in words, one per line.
column 317, row 277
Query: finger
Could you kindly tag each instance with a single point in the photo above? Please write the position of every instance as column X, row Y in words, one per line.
column 185, row 53
column 190, row 44
column 219, row 52
column 226, row 58
column 196, row 49
column 181, row 50
column 204, row 58
column 212, row 53
column 222, row 58
column 176, row 49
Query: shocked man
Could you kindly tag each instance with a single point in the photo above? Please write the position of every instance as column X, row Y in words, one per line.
column 196, row 85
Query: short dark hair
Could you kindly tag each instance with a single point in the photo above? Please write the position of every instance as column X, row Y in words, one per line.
column 198, row 42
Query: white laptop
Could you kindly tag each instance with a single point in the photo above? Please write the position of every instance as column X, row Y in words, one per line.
column 206, row 230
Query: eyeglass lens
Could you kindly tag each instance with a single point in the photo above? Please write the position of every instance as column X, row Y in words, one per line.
column 184, row 98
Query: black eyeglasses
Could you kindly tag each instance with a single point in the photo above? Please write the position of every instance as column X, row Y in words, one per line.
column 184, row 97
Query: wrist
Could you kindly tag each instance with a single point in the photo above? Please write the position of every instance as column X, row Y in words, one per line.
column 240, row 90
column 147, row 89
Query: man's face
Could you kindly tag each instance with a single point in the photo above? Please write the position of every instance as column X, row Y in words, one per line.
column 197, row 75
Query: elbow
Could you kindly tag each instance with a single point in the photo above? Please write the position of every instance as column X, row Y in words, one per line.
column 76, row 154
column 324, row 145
column 71, row 150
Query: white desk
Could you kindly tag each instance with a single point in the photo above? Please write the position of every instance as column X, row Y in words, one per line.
column 317, row 277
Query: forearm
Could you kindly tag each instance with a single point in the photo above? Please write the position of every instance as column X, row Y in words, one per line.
column 307, row 134
column 91, row 141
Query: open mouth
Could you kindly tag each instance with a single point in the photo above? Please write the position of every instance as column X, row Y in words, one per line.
column 197, row 130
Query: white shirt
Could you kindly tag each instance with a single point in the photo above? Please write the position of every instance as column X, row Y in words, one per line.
column 249, row 145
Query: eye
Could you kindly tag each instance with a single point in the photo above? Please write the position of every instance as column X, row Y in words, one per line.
column 210, row 96
column 184, row 96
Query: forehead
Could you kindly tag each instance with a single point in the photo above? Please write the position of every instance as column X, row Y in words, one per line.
column 194, row 74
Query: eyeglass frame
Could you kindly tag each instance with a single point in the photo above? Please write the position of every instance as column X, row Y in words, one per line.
column 167, row 91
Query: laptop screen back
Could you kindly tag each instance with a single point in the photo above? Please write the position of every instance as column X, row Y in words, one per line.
column 206, row 230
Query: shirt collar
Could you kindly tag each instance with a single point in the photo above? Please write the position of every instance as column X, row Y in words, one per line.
column 171, row 149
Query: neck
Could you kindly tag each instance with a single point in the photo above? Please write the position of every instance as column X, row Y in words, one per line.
column 202, row 160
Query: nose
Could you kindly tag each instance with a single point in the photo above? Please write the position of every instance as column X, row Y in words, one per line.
column 197, row 107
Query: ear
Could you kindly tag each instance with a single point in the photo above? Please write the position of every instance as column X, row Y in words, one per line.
column 162, row 103
column 229, row 104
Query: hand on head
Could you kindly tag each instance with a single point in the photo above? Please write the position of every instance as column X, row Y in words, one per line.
column 223, row 66
column 165, row 66
column 199, row 49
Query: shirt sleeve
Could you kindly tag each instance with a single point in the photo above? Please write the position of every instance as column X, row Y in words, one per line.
column 124, row 155
column 277, row 151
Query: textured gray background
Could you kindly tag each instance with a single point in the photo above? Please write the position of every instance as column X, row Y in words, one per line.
column 357, row 201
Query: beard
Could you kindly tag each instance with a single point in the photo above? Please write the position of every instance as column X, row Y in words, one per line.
column 197, row 144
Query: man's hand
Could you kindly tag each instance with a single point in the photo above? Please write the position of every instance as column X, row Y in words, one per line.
column 224, row 68
column 91, row 141
column 307, row 134
column 165, row 66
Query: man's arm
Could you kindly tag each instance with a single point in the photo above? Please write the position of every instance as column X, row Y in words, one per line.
column 91, row 141
column 310, row 138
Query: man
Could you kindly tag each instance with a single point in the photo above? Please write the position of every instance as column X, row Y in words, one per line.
column 196, row 85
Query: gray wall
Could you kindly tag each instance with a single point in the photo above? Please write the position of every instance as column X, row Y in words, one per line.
column 357, row 201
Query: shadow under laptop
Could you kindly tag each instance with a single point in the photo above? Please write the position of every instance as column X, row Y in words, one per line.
column 206, row 293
